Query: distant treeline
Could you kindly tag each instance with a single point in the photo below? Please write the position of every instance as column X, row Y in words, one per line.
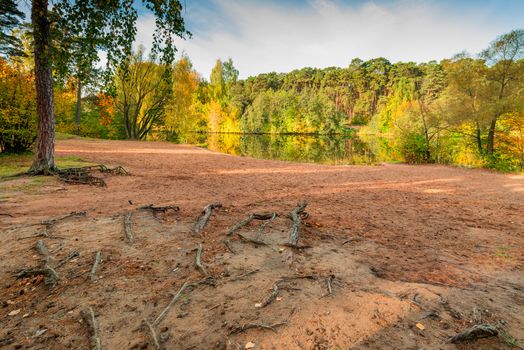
column 463, row 110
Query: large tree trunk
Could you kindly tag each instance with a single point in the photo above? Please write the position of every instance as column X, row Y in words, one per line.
column 44, row 160
column 78, row 104
column 491, row 136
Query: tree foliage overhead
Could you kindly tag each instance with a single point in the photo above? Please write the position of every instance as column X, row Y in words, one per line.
column 10, row 19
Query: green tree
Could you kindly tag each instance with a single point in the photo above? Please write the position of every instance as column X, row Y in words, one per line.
column 10, row 19
column 107, row 25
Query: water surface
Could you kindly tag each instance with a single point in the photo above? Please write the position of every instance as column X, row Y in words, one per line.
column 325, row 149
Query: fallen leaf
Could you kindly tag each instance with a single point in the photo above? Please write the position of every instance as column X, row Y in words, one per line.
column 279, row 298
column 249, row 345
column 14, row 312
column 258, row 305
column 420, row 326
column 26, row 315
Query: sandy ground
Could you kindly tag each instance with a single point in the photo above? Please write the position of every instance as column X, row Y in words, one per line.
column 416, row 254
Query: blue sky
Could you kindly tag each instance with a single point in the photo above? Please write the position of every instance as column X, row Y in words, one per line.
column 270, row 35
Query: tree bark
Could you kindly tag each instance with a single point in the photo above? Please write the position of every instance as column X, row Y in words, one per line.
column 491, row 136
column 44, row 159
column 78, row 104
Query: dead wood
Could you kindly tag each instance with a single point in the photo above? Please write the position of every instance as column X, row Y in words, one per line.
column 296, row 216
column 247, row 326
column 201, row 222
column 51, row 277
column 330, row 284
column 152, row 332
column 98, row 258
column 57, row 249
column 249, row 219
column 198, row 260
column 89, row 317
column 127, row 228
column 475, row 332
column 64, row 261
column 175, row 298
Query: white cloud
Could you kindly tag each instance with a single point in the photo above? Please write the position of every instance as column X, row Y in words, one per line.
column 263, row 37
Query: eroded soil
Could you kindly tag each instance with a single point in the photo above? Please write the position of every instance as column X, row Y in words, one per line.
column 416, row 254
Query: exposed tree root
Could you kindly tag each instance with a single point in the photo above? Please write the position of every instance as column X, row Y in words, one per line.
column 51, row 277
column 42, row 249
column 249, row 219
column 255, row 241
column 64, row 261
column 175, row 298
column 249, row 273
column 128, row 229
column 279, row 285
column 98, row 258
column 119, row 170
column 152, row 332
column 83, row 175
column 475, row 332
column 228, row 245
column 198, row 261
column 296, row 216
column 73, row 214
column 160, row 209
column 89, row 317
column 204, row 218
column 247, row 326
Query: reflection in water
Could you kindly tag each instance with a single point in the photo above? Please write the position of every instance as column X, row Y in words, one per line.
column 326, row 149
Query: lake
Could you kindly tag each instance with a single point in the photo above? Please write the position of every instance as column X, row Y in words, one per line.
column 325, row 149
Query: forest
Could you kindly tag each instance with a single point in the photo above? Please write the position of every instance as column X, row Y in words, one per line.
column 467, row 110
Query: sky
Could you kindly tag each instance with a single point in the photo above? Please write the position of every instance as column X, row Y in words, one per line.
column 270, row 35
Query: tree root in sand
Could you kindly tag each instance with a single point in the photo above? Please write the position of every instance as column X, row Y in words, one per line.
column 198, row 260
column 245, row 327
column 128, row 229
column 65, row 260
column 89, row 317
column 278, row 285
column 51, row 276
column 204, row 218
column 98, row 258
column 161, row 209
column 475, row 332
column 83, row 175
column 296, row 216
column 249, row 219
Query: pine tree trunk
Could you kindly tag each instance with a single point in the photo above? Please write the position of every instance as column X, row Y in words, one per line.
column 78, row 104
column 491, row 136
column 43, row 162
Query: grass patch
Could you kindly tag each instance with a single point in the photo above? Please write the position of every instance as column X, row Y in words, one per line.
column 503, row 252
column 12, row 164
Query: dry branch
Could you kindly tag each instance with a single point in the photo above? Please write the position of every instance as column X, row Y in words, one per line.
column 296, row 216
column 98, row 258
column 272, row 296
column 164, row 312
column 71, row 255
column 330, row 284
column 475, row 332
column 198, row 261
column 89, row 317
column 127, row 228
column 248, row 219
column 204, row 218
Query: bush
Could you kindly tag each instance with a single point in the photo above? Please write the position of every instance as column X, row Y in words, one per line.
column 414, row 149
column 17, row 109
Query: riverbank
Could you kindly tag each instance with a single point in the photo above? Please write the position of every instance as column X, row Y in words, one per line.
column 406, row 245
